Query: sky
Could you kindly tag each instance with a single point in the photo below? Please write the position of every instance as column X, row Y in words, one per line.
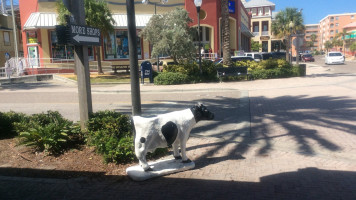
column 315, row 10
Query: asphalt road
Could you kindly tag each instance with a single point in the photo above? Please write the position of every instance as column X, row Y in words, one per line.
column 348, row 67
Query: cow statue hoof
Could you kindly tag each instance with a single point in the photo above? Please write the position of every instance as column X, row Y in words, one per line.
column 167, row 129
column 148, row 169
column 178, row 157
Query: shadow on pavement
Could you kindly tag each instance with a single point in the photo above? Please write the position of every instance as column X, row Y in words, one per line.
column 28, row 86
column 307, row 183
column 310, row 122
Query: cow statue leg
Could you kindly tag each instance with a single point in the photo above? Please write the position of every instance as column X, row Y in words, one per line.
column 141, row 152
column 176, row 150
column 185, row 159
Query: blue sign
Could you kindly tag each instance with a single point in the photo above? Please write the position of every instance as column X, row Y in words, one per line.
column 231, row 6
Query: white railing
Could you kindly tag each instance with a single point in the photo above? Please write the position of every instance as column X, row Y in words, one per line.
column 265, row 33
column 208, row 56
column 256, row 33
column 27, row 66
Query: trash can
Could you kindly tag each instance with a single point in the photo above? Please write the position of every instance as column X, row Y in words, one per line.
column 302, row 69
column 146, row 71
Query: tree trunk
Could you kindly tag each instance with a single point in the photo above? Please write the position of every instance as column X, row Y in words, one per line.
column 98, row 58
column 225, row 26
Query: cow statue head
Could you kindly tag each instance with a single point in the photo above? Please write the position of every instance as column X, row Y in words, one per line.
column 200, row 112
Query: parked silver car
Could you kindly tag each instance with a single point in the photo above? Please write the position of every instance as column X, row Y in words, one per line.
column 334, row 58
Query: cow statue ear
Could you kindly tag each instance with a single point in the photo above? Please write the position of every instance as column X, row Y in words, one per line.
column 199, row 104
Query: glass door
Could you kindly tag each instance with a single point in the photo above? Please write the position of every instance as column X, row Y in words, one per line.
column 33, row 57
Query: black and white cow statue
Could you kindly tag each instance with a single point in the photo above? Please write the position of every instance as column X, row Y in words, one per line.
column 167, row 129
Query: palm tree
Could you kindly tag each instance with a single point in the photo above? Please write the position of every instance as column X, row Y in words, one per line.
column 353, row 48
column 313, row 39
column 97, row 14
column 225, row 26
column 328, row 45
column 342, row 35
column 281, row 29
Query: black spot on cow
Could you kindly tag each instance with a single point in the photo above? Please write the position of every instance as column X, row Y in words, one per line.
column 142, row 140
column 170, row 132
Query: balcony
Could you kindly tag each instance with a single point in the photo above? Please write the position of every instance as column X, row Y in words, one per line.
column 256, row 34
column 264, row 33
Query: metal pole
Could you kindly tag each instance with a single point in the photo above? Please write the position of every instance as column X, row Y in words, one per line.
column 198, row 12
column 82, row 67
column 15, row 31
column 297, row 49
column 134, row 73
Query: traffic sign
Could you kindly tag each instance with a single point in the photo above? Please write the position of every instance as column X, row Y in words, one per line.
column 84, row 35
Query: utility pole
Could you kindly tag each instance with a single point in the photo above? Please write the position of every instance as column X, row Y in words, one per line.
column 76, row 7
column 15, row 32
column 134, row 73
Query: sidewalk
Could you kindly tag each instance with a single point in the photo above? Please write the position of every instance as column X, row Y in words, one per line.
column 288, row 138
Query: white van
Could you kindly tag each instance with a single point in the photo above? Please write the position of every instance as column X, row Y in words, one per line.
column 255, row 55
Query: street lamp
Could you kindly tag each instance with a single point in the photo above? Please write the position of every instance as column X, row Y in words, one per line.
column 146, row 2
column 198, row 4
column 291, row 25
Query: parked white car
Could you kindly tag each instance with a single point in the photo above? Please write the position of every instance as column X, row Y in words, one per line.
column 334, row 58
column 255, row 55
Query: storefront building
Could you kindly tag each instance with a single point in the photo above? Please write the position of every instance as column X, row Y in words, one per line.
column 261, row 23
column 38, row 20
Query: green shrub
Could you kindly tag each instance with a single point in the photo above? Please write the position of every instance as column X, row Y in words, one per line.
column 171, row 78
column 192, row 71
column 48, row 132
column 274, row 73
column 7, row 121
column 111, row 133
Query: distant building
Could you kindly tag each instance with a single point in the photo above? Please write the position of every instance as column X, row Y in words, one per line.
column 7, row 42
column 351, row 31
column 331, row 25
column 311, row 29
column 261, row 23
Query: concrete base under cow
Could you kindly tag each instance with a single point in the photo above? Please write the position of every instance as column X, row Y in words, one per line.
column 159, row 168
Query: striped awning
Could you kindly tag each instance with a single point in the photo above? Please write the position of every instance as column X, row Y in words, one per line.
column 121, row 20
column 41, row 20
column 49, row 20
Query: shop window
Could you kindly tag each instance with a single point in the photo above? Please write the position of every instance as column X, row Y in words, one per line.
column 31, row 37
column 267, row 10
column 65, row 51
column 265, row 26
column 116, row 46
column 254, row 11
column 256, row 27
column 7, row 38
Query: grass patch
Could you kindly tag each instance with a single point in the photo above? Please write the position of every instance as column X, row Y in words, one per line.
column 103, row 78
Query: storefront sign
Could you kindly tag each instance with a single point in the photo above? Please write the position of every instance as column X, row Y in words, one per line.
column 264, row 38
column 31, row 37
column 231, row 6
column 84, row 35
